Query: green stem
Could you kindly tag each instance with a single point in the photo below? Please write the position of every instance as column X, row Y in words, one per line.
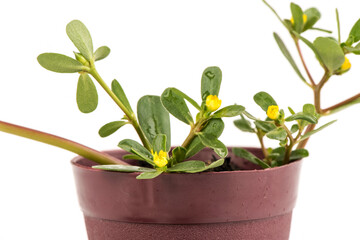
column 130, row 115
column 303, row 62
column 197, row 127
column 89, row 153
column 261, row 140
column 290, row 146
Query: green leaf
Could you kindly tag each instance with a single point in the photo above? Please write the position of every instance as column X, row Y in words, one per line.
column 133, row 157
column 124, row 168
column 175, row 104
column 307, row 135
column 212, row 142
column 86, row 94
column 192, row 166
column 120, row 94
column 101, row 53
column 178, row 154
column 210, row 82
column 132, row 146
column 59, row 63
column 297, row 14
column 309, row 109
column 159, row 143
column 277, row 134
column 186, row 97
column 265, row 126
column 302, row 116
column 110, row 128
column 149, row 175
column 295, row 155
column 240, row 152
column 331, row 53
column 214, row 126
column 216, row 164
column 298, row 154
column 153, row 118
column 294, row 128
column 313, row 15
column 354, row 34
column 244, row 125
column 264, row 100
column 81, row 38
column 229, row 111
column 288, row 56
column 354, row 50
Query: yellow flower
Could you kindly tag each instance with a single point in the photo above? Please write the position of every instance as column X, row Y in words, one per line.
column 273, row 112
column 304, row 19
column 346, row 65
column 160, row 159
column 212, row 103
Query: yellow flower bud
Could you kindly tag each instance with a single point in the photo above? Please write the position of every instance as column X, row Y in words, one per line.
column 273, row 112
column 212, row 103
column 160, row 159
column 304, row 19
column 346, row 65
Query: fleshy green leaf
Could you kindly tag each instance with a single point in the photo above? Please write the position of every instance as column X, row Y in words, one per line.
column 86, row 94
column 295, row 155
column 354, row 50
column 132, row 156
column 120, row 94
column 244, row 125
column 124, row 168
column 178, row 154
column 101, row 53
column 240, row 152
column 297, row 14
column 81, row 38
column 302, row 116
column 149, row 175
column 212, row 142
column 354, row 34
column 277, row 134
column 229, row 111
column 153, row 118
column 216, row 164
column 313, row 15
column 187, row 98
column 210, row 82
column 265, row 126
column 131, row 146
column 307, row 135
column 159, row 143
column 110, row 128
column 192, row 166
column 59, row 63
column 331, row 53
column 264, row 100
column 214, row 127
column 288, row 56
column 175, row 104
column 294, row 128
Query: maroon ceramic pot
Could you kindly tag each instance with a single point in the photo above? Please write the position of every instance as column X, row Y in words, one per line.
column 249, row 204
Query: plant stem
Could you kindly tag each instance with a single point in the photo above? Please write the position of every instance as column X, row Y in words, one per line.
column 290, row 146
column 89, row 153
column 303, row 62
column 317, row 92
column 333, row 108
column 130, row 115
column 197, row 127
column 261, row 140
column 302, row 144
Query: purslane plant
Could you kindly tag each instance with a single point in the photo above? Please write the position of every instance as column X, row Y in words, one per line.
column 152, row 121
column 331, row 55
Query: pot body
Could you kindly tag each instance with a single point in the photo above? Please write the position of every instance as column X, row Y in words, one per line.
column 250, row 204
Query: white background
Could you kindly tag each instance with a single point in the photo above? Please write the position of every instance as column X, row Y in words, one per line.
column 157, row 44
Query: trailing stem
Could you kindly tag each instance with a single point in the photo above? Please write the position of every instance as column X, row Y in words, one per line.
column 89, row 153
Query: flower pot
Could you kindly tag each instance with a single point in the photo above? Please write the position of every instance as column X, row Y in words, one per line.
column 250, row 204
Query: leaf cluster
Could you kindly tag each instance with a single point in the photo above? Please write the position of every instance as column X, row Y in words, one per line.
column 277, row 129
